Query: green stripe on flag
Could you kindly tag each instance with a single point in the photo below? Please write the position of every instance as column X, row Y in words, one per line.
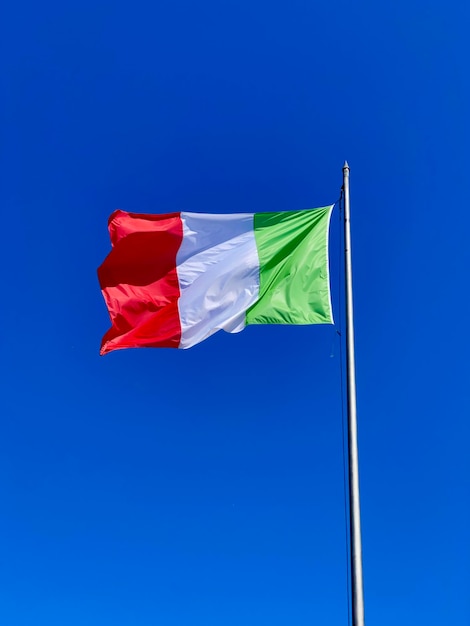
column 294, row 277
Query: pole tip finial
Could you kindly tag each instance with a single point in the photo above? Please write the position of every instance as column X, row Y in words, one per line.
column 346, row 165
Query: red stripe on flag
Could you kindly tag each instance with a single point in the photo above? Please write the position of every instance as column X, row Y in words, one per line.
column 139, row 281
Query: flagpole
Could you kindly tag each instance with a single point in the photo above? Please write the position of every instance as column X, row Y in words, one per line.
column 357, row 592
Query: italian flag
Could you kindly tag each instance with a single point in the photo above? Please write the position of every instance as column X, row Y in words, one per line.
column 172, row 280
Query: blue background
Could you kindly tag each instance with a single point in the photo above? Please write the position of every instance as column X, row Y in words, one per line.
column 206, row 487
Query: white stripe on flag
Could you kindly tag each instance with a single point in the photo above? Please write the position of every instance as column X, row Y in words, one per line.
column 218, row 273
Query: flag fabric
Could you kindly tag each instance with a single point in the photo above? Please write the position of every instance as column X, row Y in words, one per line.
column 172, row 280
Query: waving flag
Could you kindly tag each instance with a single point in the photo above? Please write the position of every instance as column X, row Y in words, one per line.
column 173, row 280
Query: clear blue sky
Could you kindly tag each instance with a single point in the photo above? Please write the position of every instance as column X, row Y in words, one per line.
column 205, row 487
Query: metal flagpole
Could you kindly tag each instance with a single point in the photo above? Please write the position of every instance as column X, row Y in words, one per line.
column 357, row 593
